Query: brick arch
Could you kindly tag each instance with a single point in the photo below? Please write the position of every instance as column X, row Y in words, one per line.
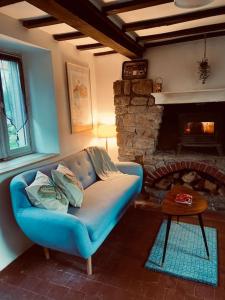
column 185, row 165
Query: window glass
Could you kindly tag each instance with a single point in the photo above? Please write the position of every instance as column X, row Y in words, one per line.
column 14, row 119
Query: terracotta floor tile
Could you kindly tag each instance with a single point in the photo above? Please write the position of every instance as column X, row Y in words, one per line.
column 168, row 281
column 208, row 292
column 74, row 295
column 61, row 278
column 220, row 293
column 41, row 297
column 58, row 292
column 155, row 290
column 172, row 294
column 36, row 285
column 193, row 298
column 76, row 282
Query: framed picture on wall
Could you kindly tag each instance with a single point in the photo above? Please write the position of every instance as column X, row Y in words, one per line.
column 135, row 69
column 80, row 97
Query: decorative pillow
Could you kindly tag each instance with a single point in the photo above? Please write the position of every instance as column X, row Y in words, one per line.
column 43, row 193
column 66, row 180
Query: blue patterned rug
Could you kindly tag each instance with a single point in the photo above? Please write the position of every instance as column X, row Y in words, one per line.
column 186, row 255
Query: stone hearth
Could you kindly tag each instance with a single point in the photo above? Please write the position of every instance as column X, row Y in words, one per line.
column 138, row 120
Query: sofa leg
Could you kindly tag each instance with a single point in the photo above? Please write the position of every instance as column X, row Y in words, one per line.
column 89, row 266
column 47, row 254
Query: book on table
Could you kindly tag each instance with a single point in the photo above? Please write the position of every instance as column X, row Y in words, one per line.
column 183, row 198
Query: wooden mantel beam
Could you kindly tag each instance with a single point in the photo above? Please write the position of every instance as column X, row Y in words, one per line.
column 183, row 32
column 170, row 20
column 186, row 39
column 8, row 2
column 120, row 7
column 88, row 19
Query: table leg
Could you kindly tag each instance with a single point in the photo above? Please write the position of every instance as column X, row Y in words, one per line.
column 203, row 233
column 166, row 238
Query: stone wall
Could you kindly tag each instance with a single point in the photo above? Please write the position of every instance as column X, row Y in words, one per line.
column 137, row 118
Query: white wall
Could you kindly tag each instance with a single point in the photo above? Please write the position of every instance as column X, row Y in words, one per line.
column 108, row 68
column 12, row 240
column 177, row 64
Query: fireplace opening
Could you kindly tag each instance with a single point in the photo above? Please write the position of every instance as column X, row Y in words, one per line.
column 192, row 127
column 199, row 128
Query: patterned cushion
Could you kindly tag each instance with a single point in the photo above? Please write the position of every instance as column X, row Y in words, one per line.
column 65, row 179
column 43, row 193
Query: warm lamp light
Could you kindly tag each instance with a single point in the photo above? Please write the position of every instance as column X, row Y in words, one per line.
column 191, row 3
column 106, row 131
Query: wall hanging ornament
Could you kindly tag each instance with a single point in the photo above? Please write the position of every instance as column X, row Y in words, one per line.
column 204, row 67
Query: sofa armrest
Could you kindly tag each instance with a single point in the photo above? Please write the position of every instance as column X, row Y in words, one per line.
column 55, row 230
column 130, row 168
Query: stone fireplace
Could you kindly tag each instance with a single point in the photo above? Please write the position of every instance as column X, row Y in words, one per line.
column 190, row 155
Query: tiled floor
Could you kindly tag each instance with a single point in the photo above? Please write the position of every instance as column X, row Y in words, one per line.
column 118, row 268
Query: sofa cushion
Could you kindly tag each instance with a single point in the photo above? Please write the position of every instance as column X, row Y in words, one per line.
column 104, row 202
column 43, row 193
column 65, row 179
column 81, row 165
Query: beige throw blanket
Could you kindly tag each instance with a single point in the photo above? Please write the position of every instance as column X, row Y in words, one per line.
column 104, row 167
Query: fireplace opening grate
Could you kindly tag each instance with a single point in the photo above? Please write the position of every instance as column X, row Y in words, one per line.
column 200, row 129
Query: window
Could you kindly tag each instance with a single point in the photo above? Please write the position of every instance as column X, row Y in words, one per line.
column 14, row 131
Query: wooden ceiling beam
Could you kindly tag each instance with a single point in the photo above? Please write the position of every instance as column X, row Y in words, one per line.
column 8, row 2
column 40, row 22
column 69, row 36
column 183, row 32
column 120, row 7
column 105, row 53
column 89, row 46
column 170, row 20
column 85, row 17
column 185, row 39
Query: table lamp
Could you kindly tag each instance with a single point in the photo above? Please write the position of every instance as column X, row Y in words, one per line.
column 106, row 131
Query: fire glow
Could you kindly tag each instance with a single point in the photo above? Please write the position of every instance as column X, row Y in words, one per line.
column 199, row 128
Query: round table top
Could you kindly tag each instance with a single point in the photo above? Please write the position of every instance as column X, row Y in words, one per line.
column 170, row 207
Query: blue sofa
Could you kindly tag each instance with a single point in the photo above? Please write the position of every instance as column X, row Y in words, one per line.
column 82, row 230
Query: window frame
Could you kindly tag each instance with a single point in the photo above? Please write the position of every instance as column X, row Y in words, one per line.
column 5, row 152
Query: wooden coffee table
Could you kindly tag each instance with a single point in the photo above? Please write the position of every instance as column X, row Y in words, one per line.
column 170, row 208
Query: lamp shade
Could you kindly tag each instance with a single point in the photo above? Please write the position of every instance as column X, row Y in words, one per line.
column 191, row 3
column 106, row 131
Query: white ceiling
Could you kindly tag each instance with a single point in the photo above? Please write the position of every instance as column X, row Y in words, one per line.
column 58, row 28
column 24, row 10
